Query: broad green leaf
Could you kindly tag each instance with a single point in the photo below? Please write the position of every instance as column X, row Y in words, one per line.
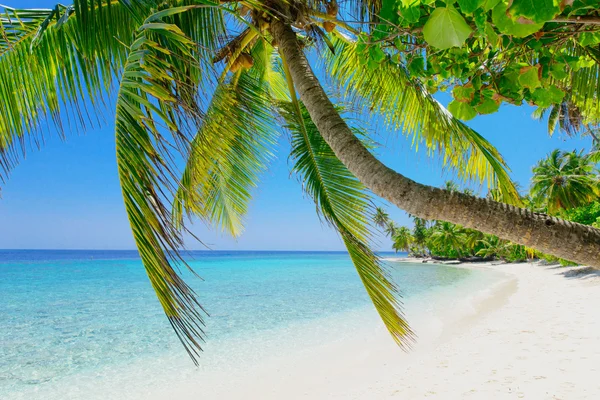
column 538, row 11
column 416, row 66
column 462, row 110
column 559, row 71
column 583, row 62
column 487, row 106
column 506, row 25
column 492, row 36
column 589, row 38
column 529, row 77
column 463, row 93
column 468, row 6
column 376, row 54
column 388, row 14
column 489, row 4
column 545, row 97
column 446, row 28
column 410, row 14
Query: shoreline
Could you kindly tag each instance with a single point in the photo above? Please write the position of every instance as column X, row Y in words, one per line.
column 534, row 334
column 337, row 367
column 454, row 262
column 506, row 331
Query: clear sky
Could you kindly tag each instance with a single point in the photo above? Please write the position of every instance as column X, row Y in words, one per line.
column 67, row 195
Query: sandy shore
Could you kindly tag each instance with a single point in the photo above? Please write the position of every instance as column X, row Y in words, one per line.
column 535, row 335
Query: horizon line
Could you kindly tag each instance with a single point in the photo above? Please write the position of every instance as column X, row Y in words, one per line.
column 183, row 251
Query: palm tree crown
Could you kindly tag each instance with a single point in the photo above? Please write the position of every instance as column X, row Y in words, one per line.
column 449, row 236
column 402, row 239
column 565, row 180
column 381, row 217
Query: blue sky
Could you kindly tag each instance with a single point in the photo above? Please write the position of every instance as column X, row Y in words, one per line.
column 67, row 195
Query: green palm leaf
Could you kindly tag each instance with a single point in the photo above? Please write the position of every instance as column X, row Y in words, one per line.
column 60, row 68
column 583, row 88
column 416, row 113
column 231, row 149
column 402, row 239
column 565, row 180
column 342, row 201
column 59, row 65
column 157, row 94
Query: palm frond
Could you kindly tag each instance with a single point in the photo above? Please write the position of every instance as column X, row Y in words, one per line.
column 584, row 88
column 57, row 67
column 416, row 113
column 231, row 149
column 62, row 67
column 343, row 202
column 565, row 180
column 157, row 94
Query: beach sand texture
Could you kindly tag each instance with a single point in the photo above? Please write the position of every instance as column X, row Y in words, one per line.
column 535, row 335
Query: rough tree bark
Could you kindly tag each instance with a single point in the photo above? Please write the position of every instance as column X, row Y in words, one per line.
column 571, row 241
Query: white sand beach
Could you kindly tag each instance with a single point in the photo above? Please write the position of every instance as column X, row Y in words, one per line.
column 534, row 335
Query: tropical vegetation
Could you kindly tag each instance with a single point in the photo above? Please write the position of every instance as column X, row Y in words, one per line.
column 200, row 88
column 565, row 180
column 564, row 183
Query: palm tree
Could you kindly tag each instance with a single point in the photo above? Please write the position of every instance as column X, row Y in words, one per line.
column 192, row 86
column 381, row 217
column 493, row 246
column 402, row 239
column 472, row 239
column 451, row 186
column 391, row 228
column 449, row 237
column 420, row 234
column 565, row 180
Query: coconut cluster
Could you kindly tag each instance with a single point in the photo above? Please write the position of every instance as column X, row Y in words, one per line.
column 332, row 10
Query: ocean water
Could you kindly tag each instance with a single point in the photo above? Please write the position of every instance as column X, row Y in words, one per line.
column 86, row 324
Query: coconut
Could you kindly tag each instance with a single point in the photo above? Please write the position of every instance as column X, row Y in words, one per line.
column 332, row 9
column 236, row 65
column 329, row 26
column 246, row 60
column 244, row 10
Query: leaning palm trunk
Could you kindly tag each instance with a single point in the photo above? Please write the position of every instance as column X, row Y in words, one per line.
column 576, row 242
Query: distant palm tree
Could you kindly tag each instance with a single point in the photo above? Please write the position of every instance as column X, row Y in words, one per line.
column 420, row 234
column 391, row 228
column 472, row 238
column 493, row 246
column 381, row 218
column 449, row 236
column 565, row 180
column 451, row 186
column 402, row 239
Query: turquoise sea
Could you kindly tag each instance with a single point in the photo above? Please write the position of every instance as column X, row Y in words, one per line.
column 75, row 323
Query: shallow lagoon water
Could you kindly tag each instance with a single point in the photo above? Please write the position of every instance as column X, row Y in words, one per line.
column 76, row 323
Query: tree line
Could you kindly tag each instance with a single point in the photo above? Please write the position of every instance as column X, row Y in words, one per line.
column 565, row 184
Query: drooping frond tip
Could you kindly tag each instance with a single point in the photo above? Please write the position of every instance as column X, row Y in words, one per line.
column 158, row 93
column 344, row 203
